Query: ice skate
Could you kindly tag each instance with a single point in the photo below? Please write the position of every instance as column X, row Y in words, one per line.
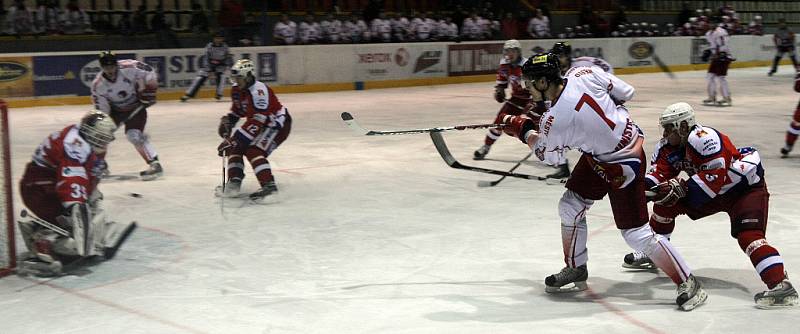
column 725, row 102
column 265, row 191
column 638, row 261
column 218, row 97
column 710, row 101
column 567, row 280
column 782, row 295
column 562, row 172
column 770, row 73
column 691, row 294
column 185, row 98
column 153, row 172
column 232, row 189
column 785, row 151
column 481, row 153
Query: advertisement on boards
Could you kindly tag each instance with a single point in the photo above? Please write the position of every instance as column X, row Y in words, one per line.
column 472, row 59
column 16, row 76
column 67, row 75
column 391, row 62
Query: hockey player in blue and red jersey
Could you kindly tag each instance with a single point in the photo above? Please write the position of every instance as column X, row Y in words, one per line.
column 722, row 178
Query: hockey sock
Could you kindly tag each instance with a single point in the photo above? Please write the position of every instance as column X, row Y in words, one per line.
column 142, row 145
column 260, row 165
column 492, row 137
column 794, row 60
column 775, row 64
column 573, row 240
column 196, row 84
column 659, row 250
column 794, row 128
column 765, row 258
column 235, row 167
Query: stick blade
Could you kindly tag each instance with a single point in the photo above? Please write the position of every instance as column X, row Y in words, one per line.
column 484, row 184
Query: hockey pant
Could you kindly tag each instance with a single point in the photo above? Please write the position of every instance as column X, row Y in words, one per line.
column 257, row 153
column 794, row 127
column 200, row 79
column 778, row 55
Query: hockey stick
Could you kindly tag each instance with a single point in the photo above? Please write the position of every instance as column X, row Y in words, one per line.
column 224, row 182
column 133, row 113
column 444, row 152
column 496, row 182
column 351, row 122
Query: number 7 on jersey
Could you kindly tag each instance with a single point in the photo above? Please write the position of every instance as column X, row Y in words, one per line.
column 596, row 107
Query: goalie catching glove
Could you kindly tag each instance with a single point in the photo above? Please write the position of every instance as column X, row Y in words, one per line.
column 668, row 193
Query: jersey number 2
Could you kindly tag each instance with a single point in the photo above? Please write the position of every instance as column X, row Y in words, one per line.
column 596, row 107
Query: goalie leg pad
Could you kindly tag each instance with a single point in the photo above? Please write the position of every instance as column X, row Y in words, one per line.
column 572, row 208
column 658, row 249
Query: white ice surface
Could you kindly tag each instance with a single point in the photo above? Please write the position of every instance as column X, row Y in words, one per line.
column 378, row 235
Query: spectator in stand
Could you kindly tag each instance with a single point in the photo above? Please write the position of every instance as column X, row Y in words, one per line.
column 400, row 28
column 355, row 30
column 509, row 27
column 309, row 31
column 619, row 18
column 471, row 29
column 251, row 32
column 420, row 29
column 75, row 19
column 19, row 19
column 331, row 29
column 230, row 20
column 493, row 26
column 459, row 15
column 448, row 30
column 139, row 24
column 756, row 27
column 165, row 36
column 381, row 28
column 285, row 31
column 685, row 13
column 124, row 25
column 587, row 16
column 47, row 19
column 198, row 23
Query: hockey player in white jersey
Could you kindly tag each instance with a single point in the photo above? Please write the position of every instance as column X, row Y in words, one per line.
column 216, row 61
column 472, row 28
column 448, row 30
column 421, row 28
column 584, row 115
column 331, row 29
column 119, row 91
column 285, row 31
column 381, row 29
column 355, row 30
column 720, row 54
column 309, row 31
column 400, row 27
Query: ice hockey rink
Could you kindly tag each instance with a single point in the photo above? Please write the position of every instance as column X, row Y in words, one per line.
column 378, row 235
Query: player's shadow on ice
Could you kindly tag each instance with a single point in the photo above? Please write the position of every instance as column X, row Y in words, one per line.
column 532, row 303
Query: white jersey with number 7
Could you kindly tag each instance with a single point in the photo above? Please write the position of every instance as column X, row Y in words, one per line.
column 586, row 118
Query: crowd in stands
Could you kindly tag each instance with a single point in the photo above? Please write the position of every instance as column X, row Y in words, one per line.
column 243, row 27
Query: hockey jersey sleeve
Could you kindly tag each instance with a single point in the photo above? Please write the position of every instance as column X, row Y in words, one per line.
column 660, row 168
column 619, row 90
column 99, row 99
column 146, row 82
column 711, row 155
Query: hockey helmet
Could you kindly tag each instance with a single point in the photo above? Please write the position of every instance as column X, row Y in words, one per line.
column 97, row 129
column 242, row 68
column 675, row 114
column 512, row 44
column 542, row 65
column 562, row 48
column 107, row 58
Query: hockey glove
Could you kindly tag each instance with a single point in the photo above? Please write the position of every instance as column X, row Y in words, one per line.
column 518, row 126
column 227, row 146
column 500, row 94
column 706, row 55
column 226, row 124
column 668, row 193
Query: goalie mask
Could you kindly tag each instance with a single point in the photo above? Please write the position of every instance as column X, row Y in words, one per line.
column 97, row 129
column 677, row 119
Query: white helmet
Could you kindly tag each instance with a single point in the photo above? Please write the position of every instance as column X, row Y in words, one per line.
column 242, row 68
column 97, row 129
column 677, row 113
column 512, row 44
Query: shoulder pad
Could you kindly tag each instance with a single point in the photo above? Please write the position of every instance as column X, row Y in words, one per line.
column 75, row 146
column 260, row 95
column 705, row 140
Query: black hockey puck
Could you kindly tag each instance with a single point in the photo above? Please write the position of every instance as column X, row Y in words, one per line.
column 137, row 195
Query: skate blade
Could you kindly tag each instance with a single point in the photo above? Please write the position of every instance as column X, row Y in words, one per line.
column 769, row 303
column 631, row 267
column 571, row 287
column 150, row 177
column 696, row 301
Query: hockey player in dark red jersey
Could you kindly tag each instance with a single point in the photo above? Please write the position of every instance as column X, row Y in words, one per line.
column 794, row 126
column 60, row 188
column 509, row 74
column 267, row 124
column 722, row 179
